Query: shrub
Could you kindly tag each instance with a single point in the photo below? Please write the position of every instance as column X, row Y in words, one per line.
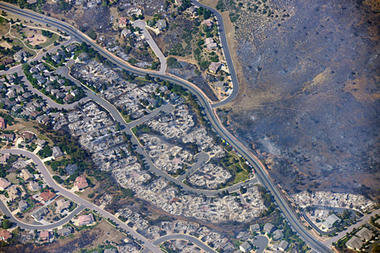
column 173, row 63
column 92, row 34
column 220, row 5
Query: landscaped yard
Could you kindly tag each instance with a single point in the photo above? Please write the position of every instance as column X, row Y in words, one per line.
column 33, row 37
column 235, row 165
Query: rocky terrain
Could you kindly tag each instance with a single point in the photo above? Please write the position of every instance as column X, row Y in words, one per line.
column 309, row 95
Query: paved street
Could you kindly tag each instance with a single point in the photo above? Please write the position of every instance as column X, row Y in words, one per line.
column 201, row 158
column 261, row 243
column 115, row 114
column 167, row 108
column 315, row 227
column 184, row 237
column 18, row 70
column 48, row 100
column 152, row 168
column 37, row 57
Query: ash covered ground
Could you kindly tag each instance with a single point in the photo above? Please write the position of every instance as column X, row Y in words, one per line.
column 309, row 103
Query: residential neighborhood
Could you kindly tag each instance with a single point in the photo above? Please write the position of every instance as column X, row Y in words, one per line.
column 353, row 201
column 103, row 149
column 59, row 88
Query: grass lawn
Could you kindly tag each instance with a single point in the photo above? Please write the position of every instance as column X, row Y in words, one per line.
column 17, row 42
column 49, row 41
column 127, row 118
column 4, row 25
column 240, row 177
column 12, row 178
column 22, row 34
column 235, row 161
column 142, row 80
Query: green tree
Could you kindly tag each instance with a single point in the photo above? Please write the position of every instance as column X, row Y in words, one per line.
column 204, row 64
column 92, row 34
column 6, row 224
column 58, row 179
column 127, row 192
column 47, row 33
column 220, row 5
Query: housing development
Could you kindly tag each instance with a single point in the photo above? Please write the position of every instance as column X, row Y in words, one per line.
column 114, row 146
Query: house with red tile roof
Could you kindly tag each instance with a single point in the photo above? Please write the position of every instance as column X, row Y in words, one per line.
column 4, row 235
column 123, row 21
column 81, row 182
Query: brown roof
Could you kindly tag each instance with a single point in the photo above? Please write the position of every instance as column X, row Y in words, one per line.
column 47, row 195
column 10, row 136
column 28, row 135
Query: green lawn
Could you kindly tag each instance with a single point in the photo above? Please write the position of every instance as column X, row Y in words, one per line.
column 17, row 42
column 49, row 41
column 236, row 166
column 240, row 177
column 126, row 117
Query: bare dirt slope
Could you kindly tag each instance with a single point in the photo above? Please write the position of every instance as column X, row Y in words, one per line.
column 309, row 101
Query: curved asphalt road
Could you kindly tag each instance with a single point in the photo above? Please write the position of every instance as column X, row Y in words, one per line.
column 23, row 225
column 81, row 202
column 261, row 243
column 184, row 237
column 313, row 225
column 211, row 114
column 227, row 55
